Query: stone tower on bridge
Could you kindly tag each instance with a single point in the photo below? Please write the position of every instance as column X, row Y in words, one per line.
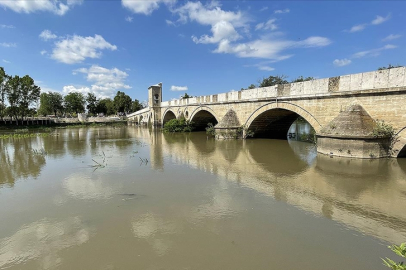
column 154, row 103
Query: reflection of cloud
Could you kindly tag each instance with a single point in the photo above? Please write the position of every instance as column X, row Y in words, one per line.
column 152, row 229
column 43, row 239
column 81, row 186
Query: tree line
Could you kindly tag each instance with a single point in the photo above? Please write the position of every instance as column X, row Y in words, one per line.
column 19, row 98
column 274, row 80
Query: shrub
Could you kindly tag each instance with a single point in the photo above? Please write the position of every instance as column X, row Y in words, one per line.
column 178, row 125
column 399, row 250
column 382, row 130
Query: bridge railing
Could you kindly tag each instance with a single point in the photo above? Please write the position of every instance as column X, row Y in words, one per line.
column 380, row 79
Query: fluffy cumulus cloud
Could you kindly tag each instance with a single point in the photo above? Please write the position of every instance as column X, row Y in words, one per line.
column 104, row 82
column 30, row 6
column 145, row 7
column 47, row 35
column 179, row 88
column 341, row 62
column 230, row 33
column 75, row 49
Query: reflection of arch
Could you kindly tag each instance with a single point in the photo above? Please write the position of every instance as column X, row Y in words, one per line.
column 168, row 115
column 274, row 119
column 140, row 119
column 399, row 148
column 203, row 115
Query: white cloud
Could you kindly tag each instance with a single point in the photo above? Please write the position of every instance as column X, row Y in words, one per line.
column 179, row 88
column 129, row 19
column 263, row 9
column 75, row 49
column 209, row 15
column 5, row 61
column 270, row 24
column 105, row 82
column 47, row 35
column 145, row 7
column 266, row 68
column 357, row 28
column 373, row 52
column 169, row 22
column 8, row 45
column 43, row 52
column 30, row 6
column 341, row 62
column 7, row 26
column 380, row 19
column 282, row 11
column 269, row 49
column 221, row 30
column 391, row 37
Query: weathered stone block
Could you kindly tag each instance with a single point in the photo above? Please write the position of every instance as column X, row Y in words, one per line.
column 397, row 77
column 333, row 84
column 322, row 86
column 381, row 79
column 296, row 89
column 368, row 80
column 345, row 83
column 307, row 87
column 356, row 81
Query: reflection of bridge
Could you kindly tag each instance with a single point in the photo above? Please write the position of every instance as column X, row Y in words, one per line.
column 270, row 111
column 364, row 194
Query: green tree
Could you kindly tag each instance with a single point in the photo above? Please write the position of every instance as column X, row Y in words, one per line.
column 301, row 79
column 91, row 103
column 136, row 106
column 185, row 96
column 122, row 102
column 105, row 106
column 74, row 102
column 273, row 80
column 50, row 103
column 21, row 93
column 3, row 82
column 389, row 67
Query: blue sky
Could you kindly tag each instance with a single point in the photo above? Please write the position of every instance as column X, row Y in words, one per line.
column 201, row 48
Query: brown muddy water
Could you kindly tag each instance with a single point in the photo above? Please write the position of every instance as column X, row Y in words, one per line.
column 134, row 198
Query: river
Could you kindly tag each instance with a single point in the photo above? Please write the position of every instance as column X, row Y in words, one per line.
column 135, row 198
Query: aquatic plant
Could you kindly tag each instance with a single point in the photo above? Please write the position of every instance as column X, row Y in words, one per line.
column 399, row 250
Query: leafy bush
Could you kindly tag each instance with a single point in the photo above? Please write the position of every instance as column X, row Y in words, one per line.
column 382, row 130
column 178, row 125
column 399, row 250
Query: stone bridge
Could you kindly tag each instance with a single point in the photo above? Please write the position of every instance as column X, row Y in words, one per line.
column 270, row 111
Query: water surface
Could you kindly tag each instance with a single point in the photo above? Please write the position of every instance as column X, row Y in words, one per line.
column 134, row 198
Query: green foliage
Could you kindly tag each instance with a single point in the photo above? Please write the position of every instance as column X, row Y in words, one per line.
column 3, row 82
column 105, row 106
column 240, row 133
column 301, row 79
column 91, row 103
column 383, row 130
column 50, row 103
column 122, row 102
column 21, row 94
column 178, row 125
column 210, row 129
column 136, row 105
column 74, row 102
column 398, row 250
column 389, row 67
column 185, row 96
column 273, row 80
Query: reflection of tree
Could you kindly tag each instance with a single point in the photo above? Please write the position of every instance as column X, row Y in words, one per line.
column 54, row 146
column 203, row 144
column 17, row 160
column 76, row 141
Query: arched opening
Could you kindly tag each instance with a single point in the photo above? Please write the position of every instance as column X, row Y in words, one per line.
column 277, row 123
column 202, row 118
column 169, row 115
column 402, row 153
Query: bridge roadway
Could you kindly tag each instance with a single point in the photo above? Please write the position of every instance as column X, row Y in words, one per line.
column 270, row 111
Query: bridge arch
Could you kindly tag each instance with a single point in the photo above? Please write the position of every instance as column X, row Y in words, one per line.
column 168, row 115
column 399, row 146
column 203, row 115
column 278, row 117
